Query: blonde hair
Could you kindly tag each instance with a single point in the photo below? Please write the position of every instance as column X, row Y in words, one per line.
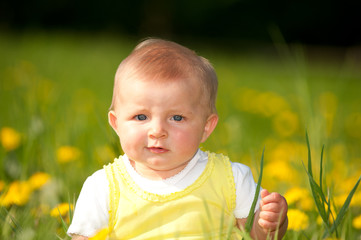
column 162, row 60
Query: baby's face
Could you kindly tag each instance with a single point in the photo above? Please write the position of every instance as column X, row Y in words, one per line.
column 161, row 124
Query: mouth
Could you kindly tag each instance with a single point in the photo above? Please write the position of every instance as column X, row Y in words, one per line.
column 157, row 150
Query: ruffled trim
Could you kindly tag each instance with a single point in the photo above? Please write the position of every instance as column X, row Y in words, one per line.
column 230, row 179
column 113, row 198
column 125, row 177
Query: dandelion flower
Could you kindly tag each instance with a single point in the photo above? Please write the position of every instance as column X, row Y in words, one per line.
column 282, row 171
column 10, row 139
column 61, row 209
column 355, row 201
column 270, row 103
column 297, row 220
column 299, row 196
column 356, row 222
column 38, row 179
column 101, row 235
column 18, row 194
column 67, row 154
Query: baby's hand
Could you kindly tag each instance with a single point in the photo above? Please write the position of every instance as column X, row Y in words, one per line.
column 273, row 211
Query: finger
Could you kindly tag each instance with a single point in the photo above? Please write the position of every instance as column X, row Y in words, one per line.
column 264, row 193
column 271, row 207
column 269, row 216
column 268, row 226
column 272, row 197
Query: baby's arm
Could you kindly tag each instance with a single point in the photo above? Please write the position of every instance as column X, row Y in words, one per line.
column 270, row 218
column 78, row 237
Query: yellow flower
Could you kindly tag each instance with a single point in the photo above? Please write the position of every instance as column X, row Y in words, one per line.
column 101, row 235
column 288, row 151
column 67, row 154
column 297, row 220
column 18, row 194
column 356, row 222
column 38, row 179
column 285, row 123
column 355, row 201
column 282, row 171
column 270, row 103
column 299, row 196
column 10, row 139
column 61, row 209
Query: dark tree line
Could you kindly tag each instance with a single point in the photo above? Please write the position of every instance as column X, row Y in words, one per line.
column 333, row 22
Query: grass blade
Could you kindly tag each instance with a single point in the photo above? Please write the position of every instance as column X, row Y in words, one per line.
column 321, row 177
column 309, row 156
column 64, row 225
column 317, row 194
column 345, row 206
column 15, row 227
column 316, row 190
column 250, row 217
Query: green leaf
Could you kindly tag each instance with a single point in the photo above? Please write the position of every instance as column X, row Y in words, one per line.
column 345, row 206
column 15, row 227
column 321, row 166
column 316, row 190
column 64, row 225
column 250, row 217
column 317, row 195
column 309, row 156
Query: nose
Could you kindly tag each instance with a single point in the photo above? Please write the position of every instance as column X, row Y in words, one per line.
column 157, row 129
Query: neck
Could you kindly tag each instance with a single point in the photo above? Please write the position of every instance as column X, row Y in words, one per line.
column 156, row 174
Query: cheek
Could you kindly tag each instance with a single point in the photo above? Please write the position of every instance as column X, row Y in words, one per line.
column 130, row 137
column 189, row 138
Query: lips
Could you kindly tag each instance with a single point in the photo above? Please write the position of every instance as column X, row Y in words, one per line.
column 157, row 150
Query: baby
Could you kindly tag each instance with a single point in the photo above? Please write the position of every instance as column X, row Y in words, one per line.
column 164, row 186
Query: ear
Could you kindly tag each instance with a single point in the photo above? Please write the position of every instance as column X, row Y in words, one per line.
column 210, row 126
column 112, row 118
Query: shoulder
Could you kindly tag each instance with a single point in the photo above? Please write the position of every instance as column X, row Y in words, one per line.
column 240, row 169
column 241, row 173
column 96, row 184
column 98, row 177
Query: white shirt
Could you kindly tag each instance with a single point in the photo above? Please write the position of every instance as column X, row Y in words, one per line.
column 91, row 210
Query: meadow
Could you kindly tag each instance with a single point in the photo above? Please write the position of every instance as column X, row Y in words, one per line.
column 55, row 91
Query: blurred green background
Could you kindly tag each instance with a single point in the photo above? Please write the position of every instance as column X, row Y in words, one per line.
column 283, row 68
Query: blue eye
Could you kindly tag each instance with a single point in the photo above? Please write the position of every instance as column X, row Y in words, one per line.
column 177, row 118
column 141, row 117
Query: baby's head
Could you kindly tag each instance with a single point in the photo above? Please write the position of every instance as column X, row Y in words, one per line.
column 163, row 106
column 165, row 61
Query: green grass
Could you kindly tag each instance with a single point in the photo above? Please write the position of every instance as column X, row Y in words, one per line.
column 55, row 90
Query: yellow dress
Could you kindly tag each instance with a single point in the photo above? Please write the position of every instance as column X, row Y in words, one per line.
column 203, row 210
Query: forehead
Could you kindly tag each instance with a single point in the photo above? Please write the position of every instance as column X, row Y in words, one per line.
column 142, row 91
column 180, row 84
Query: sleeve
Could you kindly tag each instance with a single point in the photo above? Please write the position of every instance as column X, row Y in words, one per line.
column 91, row 209
column 245, row 190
